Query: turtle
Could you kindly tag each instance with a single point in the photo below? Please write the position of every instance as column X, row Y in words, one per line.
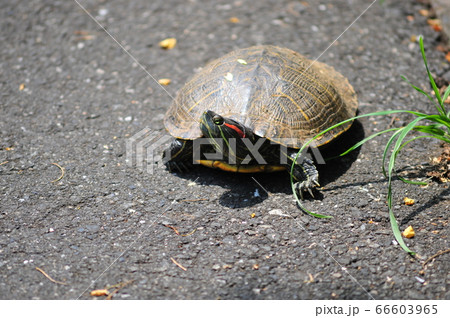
column 252, row 110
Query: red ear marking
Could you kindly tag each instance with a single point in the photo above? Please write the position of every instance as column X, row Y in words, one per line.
column 236, row 129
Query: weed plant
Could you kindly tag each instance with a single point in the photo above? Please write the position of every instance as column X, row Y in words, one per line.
column 435, row 126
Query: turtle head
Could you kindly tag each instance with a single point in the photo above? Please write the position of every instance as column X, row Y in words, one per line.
column 214, row 125
column 226, row 135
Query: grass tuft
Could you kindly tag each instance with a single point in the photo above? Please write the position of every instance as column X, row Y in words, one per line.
column 429, row 125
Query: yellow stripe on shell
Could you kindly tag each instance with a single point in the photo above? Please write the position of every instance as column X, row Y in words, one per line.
column 203, row 98
column 293, row 102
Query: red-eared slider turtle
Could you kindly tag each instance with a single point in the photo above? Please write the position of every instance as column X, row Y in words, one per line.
column 255, row 107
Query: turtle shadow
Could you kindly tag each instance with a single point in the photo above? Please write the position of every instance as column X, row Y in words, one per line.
column 335, row 166
column 246, row 190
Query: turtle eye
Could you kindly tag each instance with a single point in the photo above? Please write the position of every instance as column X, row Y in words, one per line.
column 218, row 120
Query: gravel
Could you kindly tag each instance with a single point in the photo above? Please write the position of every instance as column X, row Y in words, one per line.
column 71, row 96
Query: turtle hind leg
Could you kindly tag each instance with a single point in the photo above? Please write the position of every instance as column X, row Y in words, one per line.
column 305, row 173
column 178, row 157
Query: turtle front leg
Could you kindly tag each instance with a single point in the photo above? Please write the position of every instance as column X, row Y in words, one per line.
column 305, row 173
column 178, row 156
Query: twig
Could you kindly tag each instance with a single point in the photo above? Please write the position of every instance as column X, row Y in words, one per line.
column 178, row 232
column 51, row 279
column 173, row 228
column 119, row 287
column 178, row 264
column 4, row 162
column 391, row 123
column 62, row 172
column 311, row 278
column 434, row 256
column 190, row 233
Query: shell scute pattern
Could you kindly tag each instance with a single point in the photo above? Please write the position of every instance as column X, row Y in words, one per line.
column 277, row 93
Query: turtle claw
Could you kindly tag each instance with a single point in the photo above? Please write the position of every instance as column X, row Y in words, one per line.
column 307, row 185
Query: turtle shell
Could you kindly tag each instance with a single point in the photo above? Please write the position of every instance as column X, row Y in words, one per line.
column 276, row 92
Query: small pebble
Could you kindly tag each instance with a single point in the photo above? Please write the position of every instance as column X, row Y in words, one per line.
column 277, row 212
column 103, row 12
column 420, row 279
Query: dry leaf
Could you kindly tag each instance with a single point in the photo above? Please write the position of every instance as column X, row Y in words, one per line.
column 99, row 292
column 410, row 18
column 409, row 232
column 164, row 81
column 424, row 12
column 437, row 28
column 408, row 201
column 234, row 20
column 168, row 43
column 21, row 87
column 441, row 165
column 435, row 24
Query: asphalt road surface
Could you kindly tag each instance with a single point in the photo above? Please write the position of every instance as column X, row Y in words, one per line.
column 74, row 96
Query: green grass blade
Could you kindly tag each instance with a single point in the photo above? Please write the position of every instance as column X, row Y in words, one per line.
column 418, row 137
column 386, row 149
column 440, row 108
column 440, row 120
column 446, row 94
column 392, row 159
column 305, row 145
column 423, row 183
column 401, row 135
column 418, row 89
column 430, row 129
column 436, row 133
column 396, row 229
column 360, row 143
column 444, row 139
